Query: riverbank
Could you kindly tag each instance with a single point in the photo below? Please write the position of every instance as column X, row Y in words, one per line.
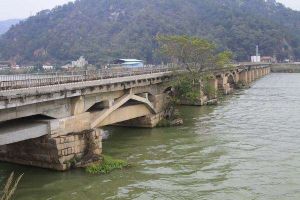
column 286, row 68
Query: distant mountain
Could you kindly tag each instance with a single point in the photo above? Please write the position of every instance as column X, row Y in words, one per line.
column 6, row 24
column 102, row 30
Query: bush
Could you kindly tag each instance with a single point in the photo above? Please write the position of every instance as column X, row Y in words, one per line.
column 107, row 165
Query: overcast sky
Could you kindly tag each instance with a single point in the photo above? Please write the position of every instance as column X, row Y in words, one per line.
column 10, row 9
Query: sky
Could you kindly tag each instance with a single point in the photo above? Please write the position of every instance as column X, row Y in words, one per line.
column 20, row 9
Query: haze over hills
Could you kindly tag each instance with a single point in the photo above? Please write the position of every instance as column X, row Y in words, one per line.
column 102, row 30
column 6, row 24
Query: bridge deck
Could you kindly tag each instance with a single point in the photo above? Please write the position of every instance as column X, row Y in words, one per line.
column 78, row 85
column 12, row 82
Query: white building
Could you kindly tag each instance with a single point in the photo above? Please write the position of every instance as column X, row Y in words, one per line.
column 129, row 63
column 255, row 59
column 48, row 67
column 80, row 63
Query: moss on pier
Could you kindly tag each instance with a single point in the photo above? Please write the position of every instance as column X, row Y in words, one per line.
column 107, row 165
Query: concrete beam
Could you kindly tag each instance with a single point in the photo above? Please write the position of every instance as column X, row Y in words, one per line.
column 17, row 131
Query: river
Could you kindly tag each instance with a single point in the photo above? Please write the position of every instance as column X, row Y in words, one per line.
column 245, row 148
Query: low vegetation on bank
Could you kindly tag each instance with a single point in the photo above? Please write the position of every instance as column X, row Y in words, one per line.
column 106, row 165
column 10, row 187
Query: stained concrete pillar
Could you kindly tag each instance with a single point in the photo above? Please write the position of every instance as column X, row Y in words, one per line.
column 257, row 73
column 244, row 77
column 249, row 76
column 57, row 152
column 253, row 75
column 260, row 73
column 213, row 83
column 223, row 84
column 237, row 77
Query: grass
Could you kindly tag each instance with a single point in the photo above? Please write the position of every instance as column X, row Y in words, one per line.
column 107, row 165
column 10, row 187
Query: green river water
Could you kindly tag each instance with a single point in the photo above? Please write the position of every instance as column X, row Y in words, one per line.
column 248, row 147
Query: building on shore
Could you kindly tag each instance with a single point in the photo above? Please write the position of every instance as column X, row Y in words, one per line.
column 4, row 65
column 255, row 59
column 48, row 67
column 80, row 63
column 127, row 63
column 268, row 59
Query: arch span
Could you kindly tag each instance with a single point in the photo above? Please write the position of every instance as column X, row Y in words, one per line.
column 99, row 118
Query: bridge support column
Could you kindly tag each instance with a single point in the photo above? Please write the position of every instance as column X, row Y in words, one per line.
column 213, row 83
column 244, row 77
column 253, row 75
column 237, row 77
column 249, row 76
column 70, row 142
column 55, row 151
column 260, row 73
column 223, row 84
column 257, row 73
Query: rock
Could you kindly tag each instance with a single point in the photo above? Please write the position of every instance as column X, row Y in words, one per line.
column 212, row 102
column 177, row 122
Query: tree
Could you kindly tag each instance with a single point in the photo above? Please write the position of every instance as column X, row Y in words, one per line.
column 193, row 53
column 199, row 57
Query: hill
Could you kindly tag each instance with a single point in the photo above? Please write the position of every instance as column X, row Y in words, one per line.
column 6, row 24
column 102, row 30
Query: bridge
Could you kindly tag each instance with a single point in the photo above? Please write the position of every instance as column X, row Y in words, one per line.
column 49, row 120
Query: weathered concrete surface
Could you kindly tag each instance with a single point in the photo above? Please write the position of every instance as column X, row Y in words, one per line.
column 20, row 130
column 286, row 68
column 58, row 153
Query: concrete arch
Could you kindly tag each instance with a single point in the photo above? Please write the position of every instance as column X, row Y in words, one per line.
column 99, row 118
column 231, row 78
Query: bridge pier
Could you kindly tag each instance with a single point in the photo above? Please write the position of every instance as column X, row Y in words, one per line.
column 213, row 84
column 249, row 75
column 224, row 85
column 244, row 77
column 57, row 152
column 253, row 75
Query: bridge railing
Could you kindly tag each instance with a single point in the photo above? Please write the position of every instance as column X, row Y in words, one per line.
column 10, row 82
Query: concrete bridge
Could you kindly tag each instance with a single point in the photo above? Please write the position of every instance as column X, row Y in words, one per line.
column 54, row 120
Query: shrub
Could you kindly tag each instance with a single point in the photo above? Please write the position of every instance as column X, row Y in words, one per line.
column 107, row 165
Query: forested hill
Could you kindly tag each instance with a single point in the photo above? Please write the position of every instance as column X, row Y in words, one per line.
column 6, row 24
column 102, row 30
